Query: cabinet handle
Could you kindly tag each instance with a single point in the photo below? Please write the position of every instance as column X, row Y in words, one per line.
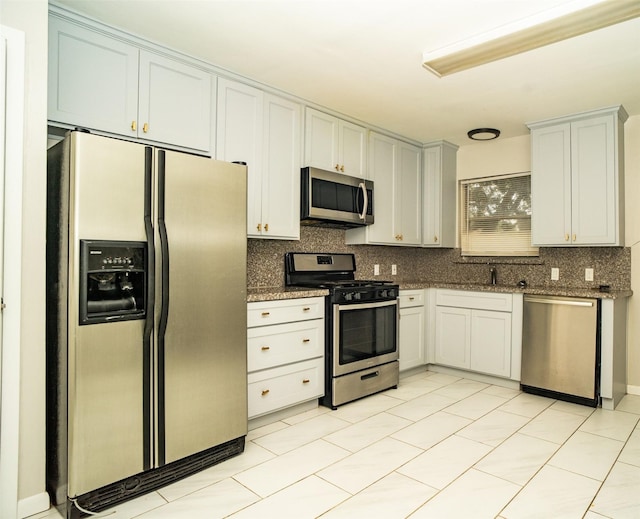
column 435, row 239
column 306, row 309
column 266, row 227
column 342, row 168
column 259, row 227
column 265, row 392
column 566, row 237
column 145, row 127
column 306, row 340
column 411, row 298
column 265, row 348
column 133, row 126
column 574, row 237
column 337, row 167
column 305, row 381
column 265, row 314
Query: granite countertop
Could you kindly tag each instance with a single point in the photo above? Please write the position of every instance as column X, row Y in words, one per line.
column 277, row 293
column 547, row 291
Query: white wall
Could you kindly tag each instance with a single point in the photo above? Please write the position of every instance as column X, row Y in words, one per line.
column 514, row 155
column 632, row 239
column 30, row 16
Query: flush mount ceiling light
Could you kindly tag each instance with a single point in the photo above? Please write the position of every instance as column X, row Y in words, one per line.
column 483, row 134
column 560, row 23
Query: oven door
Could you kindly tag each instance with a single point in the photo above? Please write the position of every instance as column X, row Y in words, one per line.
column 364, row 335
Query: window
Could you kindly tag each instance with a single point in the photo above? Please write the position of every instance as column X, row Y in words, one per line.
column 496, row 216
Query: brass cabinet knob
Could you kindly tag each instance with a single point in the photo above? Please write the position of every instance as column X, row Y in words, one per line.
column 566, row 237
column 265, row 392
column 337, row 167
column 305, row 381
column 342, row 168
column 133, row 126
column 265, row 314
column 266, row 227
column 306, row 340
column 411, row 298
column 435, row 239
column 574, row 237
column 306, row 309
column 145, row 127
column 265, row 348
column 259, row 227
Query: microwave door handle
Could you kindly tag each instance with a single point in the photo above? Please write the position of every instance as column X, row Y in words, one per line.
column 366, row 200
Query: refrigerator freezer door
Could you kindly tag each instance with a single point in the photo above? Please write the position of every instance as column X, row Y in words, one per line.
column 202, row 384
column 105, row 377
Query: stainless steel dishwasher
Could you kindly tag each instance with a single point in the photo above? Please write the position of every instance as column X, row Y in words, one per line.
column 561, row 348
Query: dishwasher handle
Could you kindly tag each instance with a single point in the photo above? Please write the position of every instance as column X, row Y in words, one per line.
column 566, row 302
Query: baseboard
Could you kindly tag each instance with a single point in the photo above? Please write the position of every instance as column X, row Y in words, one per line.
column 33, row 505
column 633, row 390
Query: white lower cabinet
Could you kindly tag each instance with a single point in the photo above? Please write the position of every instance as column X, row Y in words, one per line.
column 285, row 353
column 479, row 331
column 412, row 329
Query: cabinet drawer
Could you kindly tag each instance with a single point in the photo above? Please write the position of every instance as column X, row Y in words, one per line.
column 270, row 346
column 411, row 298
column 285, row 311
column 276, row 388
column 479, row 300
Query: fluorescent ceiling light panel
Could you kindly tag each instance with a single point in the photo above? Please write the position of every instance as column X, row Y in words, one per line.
column 560, row 23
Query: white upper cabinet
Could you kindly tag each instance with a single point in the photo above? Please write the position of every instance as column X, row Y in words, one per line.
column 174, row 102
column 281, row 173
column 395, row 168
column 439, row 195
column 93, row 79
column 263, row 131
column 106, row 84
column 577, row 179
column 333, row 144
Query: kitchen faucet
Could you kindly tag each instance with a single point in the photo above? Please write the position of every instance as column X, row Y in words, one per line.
column 494, row 275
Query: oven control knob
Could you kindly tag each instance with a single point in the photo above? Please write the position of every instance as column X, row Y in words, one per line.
column 348, row 296
column 357, row 296
column 383, row 293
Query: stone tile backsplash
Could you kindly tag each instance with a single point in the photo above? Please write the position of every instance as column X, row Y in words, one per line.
column 612, row 265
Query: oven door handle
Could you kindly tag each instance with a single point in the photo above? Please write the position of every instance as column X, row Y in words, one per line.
column 364, row 306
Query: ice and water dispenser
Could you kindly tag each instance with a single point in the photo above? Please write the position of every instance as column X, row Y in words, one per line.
column 113, row 281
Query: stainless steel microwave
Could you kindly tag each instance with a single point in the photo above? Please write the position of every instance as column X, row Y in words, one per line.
column 335, row 200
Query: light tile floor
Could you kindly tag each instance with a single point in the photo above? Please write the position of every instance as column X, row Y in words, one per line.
column 437, row 447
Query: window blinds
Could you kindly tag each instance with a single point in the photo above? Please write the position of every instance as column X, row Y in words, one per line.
column 496, row 216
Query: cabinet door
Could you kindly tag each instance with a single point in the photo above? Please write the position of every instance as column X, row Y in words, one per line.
column 93, row 79
column 594, row 190
column 239, row 139
column 551, row 185
column 491, row 342
column 321, row 141
column 411, row 335
column 439, row 192
column 352, row 141
column 382, row 150
column 453, row 336
column 175, row 102
column 408, row 195
column 281, row 173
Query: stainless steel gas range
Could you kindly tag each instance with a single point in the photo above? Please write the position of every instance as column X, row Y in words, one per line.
column 361, row 325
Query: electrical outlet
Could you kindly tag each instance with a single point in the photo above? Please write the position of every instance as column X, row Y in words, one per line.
column 555, row 274
column 394, row 270
column 588, row 274
column 376, row 270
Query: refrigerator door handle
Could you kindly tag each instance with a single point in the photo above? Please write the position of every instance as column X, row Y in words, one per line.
column 164, row 305
column 147, row 404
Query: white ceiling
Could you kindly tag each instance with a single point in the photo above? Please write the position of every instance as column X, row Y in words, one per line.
column 363, row 58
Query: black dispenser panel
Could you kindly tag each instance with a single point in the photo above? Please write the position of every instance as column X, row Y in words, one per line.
column 113, row 281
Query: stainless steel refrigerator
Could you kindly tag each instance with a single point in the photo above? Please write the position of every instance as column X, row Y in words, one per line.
column 146, row 318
